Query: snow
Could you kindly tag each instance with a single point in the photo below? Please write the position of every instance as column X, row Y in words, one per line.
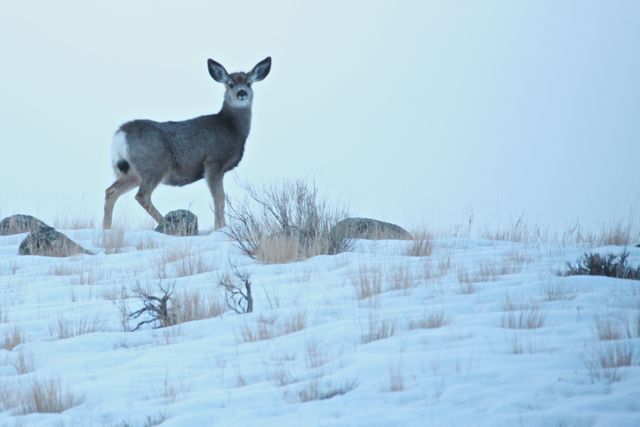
column 470, row 371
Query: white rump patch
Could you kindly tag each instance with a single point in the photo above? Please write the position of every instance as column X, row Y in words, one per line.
column 119, row 147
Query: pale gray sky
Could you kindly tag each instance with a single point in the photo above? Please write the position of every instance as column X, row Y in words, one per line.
column 407, row 111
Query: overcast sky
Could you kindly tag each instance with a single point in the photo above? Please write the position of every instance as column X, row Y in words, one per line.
column 407, row 111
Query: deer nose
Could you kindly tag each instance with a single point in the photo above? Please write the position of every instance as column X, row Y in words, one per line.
column 242, row 94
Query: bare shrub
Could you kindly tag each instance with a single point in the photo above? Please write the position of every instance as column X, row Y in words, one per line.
column 112, row 241
column 64, row 328
column 377, row 329
column 422, row 245
column 47, row 396
column 237, row 290
column 12, row 338
column 155, row 309
column 610, row 265
column 605, row 360
column 285, row 223
column 367, row 283
column 430, row 319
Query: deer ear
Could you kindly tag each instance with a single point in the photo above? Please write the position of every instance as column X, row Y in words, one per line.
column 217, row 71
column 261, row 70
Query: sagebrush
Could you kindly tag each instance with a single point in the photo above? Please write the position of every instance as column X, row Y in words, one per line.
column 610, row 265
column 286, row 222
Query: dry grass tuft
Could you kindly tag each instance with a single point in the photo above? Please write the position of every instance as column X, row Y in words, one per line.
column 401, row 280
column 262, row 329
column 64, row 328
column 316, row 355
column 616, row 327
column 519, row 231
column 367, row 283
column 112, row 241
column 554, row 291
column 466, row 284
column 430, row 319
column 422, row 245
column 74, row 222
column 486, row 272
column 190, row 305
column 521, row 315
column 146, row 243
column 47, row 396
column 315, row 390
column 396, row 378
column 184, row 260
column 606, row 359
column 12, row 338
column 377, row 329
column 268, row 327
column 279, row 249
column 23, row 362
column 294, row 323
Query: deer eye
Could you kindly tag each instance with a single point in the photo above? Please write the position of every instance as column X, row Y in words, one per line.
column 248, row 84
column 231, row 85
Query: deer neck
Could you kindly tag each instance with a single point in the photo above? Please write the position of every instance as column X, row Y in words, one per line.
column 237, row 119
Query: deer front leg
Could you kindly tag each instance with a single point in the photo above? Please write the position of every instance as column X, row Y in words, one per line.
column 214, row 176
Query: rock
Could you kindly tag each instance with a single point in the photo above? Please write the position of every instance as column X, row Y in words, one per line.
column 46, row 241
column 179, row 223
column 367, row 228
column 17, row 224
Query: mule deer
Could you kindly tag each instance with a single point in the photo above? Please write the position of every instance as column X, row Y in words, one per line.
column 146, row 153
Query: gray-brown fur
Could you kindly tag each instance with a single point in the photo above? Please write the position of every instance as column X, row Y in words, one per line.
column 179, row 153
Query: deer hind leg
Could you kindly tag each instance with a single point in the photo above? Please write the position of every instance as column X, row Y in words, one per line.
column 121, row 185
column 143, row 196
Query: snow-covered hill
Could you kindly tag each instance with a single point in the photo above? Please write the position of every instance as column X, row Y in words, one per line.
column 479, row 332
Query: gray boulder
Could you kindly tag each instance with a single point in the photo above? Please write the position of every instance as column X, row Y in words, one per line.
column 46, row 241
column 179, row 223
column 367, row 228
column 17, row 224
